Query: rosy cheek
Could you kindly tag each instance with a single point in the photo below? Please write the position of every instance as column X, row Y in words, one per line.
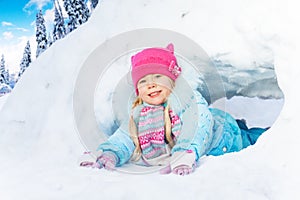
column 141, row 90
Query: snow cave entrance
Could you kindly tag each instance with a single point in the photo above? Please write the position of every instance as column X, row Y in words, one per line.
column 105, row 80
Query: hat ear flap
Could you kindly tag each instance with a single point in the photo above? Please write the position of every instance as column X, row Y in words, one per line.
column 170, row 47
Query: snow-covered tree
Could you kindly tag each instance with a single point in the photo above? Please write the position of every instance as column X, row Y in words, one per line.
column 41, row 34
column 2, row 69
column 78, row 13
column 7, row 77
column 59, row 30
column 4, row 74
column 50, row 40
column 72, row 16
column 84, row 11
column 94, row 3
column 26, row 60
column 12, row 80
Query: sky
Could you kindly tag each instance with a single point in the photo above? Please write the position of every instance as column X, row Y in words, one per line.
column 17, row 26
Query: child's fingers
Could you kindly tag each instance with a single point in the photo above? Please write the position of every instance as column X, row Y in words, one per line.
column 86, row 164
column 182, row 170
column 97, row 165
column 90, row 164
column 107, row 164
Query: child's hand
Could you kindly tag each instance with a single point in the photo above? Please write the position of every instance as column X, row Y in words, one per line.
column 87, row 160
column 183, row 163
column 90, row 164
column 179, row 170
column 107, row 160
column 183, row 170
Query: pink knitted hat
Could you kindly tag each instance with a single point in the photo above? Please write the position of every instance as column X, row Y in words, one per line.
column 154, row 61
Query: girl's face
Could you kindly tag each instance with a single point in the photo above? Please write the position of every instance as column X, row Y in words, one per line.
column 154, row 89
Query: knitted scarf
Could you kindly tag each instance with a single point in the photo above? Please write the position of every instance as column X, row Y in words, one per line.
column 151, row 130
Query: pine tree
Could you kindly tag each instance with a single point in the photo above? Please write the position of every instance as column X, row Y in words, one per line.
column 4, row 73
column 78, row 13
column 7, row 77
column 84, row 11
column 26, row 60
column 41, row 35
column 12, row 80
column 59, row 30
column 50, row 40
column 71, row 13
column 2, row 70
column 94, row 3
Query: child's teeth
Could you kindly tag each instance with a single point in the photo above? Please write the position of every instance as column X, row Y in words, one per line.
column 153, row 94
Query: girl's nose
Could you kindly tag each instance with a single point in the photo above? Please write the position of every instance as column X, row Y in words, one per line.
column 151, row 85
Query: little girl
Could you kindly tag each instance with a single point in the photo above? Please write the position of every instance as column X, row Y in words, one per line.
column 164, row 130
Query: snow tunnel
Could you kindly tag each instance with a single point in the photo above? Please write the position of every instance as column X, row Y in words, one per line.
column 104, row 91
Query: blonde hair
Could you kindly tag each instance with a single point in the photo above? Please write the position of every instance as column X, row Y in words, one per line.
column 137, row 153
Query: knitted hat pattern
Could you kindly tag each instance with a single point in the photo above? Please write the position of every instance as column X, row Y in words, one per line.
column 154, row 61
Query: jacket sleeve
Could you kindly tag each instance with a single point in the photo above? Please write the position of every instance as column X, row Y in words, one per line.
column 120, row 144
column 196, row 132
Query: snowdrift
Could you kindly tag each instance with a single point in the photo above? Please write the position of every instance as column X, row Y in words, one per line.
column 40, row 145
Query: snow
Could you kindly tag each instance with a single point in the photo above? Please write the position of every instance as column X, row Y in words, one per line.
column 3, row 100
column 39, row 141
column 257, row 112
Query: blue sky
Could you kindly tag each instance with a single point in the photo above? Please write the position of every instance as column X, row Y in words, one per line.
column 17, row 18
column 17, row 26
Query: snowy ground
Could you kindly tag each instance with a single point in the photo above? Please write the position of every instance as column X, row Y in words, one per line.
column 40, row 145
column 3, row 100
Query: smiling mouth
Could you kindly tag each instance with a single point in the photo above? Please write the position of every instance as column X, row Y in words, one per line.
column 154, row 94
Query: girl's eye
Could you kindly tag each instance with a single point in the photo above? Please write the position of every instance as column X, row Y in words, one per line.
column 142, row 81
column 158, row 76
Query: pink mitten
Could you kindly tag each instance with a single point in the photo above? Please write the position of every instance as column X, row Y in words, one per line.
column 90, row 164
column 87, row 160
column 183, row 169
column 183, row 163
column 108, row 160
